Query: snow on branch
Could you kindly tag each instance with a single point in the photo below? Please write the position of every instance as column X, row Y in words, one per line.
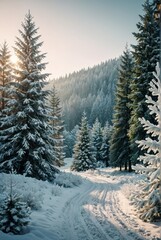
column 147, row 200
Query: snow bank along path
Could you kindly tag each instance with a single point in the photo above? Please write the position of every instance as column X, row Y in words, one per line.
column 99, row 211
column 96, row 210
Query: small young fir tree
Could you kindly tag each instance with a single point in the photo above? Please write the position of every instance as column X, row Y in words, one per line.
column 14, row 214
column 83, row 156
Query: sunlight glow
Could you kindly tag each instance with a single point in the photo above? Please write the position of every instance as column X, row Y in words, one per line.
column 14, row 59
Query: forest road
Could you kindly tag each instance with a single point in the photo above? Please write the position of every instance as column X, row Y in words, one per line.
column 95, row 213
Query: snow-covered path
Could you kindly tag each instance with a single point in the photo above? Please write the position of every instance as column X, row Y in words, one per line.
column 95, row 213
column 98, row 209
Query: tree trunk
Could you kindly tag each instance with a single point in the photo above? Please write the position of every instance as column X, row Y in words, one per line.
column 130, row 169
column 126, row 166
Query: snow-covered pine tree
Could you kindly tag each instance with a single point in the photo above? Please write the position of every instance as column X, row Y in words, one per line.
column 69, row 140
column 146, row 55
column 26, row 142
column 5, row 76
column 14, row 214
column 96, row 134
column 148, row 198
column 83, row 156
column 119, row 142
column 106, row 134
column 57, row 127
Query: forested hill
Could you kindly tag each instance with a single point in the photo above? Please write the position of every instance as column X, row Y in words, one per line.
column 91, row 90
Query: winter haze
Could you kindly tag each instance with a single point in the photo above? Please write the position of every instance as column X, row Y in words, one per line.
column 76, row 33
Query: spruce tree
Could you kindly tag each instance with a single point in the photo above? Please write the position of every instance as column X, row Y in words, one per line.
column 83, row 156
column 26, row 142
column 106, row 135
column 14, row 214
column 148, row 198
column 57, row 127
column 5, row 77
column 97, row 139
column 119, row 142
column 69, row 141
column 146, row 55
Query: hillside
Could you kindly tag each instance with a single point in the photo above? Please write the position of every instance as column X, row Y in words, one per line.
column 91, row 90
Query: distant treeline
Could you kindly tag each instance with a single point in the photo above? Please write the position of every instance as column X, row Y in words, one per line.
column 91, row 90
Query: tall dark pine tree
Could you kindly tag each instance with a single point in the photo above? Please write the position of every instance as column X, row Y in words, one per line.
column 5, row 76
column 83, row 155
column 119, row 143
column 146, row 55
column 57, row 127
column 26, row 142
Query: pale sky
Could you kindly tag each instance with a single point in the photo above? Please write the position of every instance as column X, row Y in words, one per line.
column 76, row 33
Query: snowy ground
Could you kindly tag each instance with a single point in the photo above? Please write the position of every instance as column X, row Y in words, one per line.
column 98, row 209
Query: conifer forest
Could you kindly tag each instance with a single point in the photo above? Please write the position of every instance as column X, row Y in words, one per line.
column 80, row 154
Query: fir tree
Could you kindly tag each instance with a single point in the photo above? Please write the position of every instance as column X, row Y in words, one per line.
column 119, row 143
column 148, row 199
column 26, row 142
column 106, row 135
column 14, row 214
column 96, row 133
column 146, row 55
column 69, row 141
column 83, row 157
column 57, row 126
column 5, row 76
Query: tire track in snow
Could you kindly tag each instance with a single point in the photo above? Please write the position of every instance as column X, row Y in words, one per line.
column 74, row 225
column 108, row 231
column 95, row 214
column 126, row 231
column 127, row 227
column 79, row 221
column 104, row 216
column 127, row 222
